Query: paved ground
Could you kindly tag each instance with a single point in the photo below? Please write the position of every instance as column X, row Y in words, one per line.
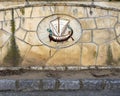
column 63, row 93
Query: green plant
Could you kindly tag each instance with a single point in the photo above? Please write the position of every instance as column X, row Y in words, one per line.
column 13, row 56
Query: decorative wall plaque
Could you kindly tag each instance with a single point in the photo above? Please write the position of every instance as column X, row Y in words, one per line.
column 59, row 31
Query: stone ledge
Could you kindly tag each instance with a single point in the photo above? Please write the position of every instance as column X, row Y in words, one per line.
column 59, row 84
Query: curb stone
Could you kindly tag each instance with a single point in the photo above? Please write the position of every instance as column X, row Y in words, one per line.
column 59, row 84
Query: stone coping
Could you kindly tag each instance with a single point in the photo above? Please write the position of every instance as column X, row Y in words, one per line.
column 37, row 4
column 59, row 84
column 60, row 68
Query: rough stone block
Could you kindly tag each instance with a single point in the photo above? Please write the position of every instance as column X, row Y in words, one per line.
column 92, row 84
column 7, row 84
column 106, row 22
column 30, row 24
column 96, row 12
column 112, row 84
column 89, row 52
column 88, row 23
column 103, row 35
column 28, row 85
column 117, row 29
column 2, row 16
column 86, row 36
column 48, row 84
column 69, row 84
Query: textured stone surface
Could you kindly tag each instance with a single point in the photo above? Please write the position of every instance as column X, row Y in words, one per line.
column 69, row 84
column 7, row 84
column 49, row 84
column 66, row 56
column 86, row 36
column 92, row 84
column 117, row 29
column 30, row 24
column 20, row 34
column 102, row 36
column 42, row 11
column 4, row 36
column 88, row 54
column 37, row 56
column 96, row 12
column 23, row 47
column 106, row 22
column 88, row 23
column 26, row 85
column 113, row 84
column 2, row 16
column 8, row 15
column 102, row 55
column 116, row 51
column 113, row 13
column 78, row 12
column 32, row 38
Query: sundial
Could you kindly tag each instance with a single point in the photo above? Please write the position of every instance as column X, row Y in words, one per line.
column 59, row 31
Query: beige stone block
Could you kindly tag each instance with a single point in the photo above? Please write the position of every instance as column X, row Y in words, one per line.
column 63, row 10
column 86, row 36
column 5, row 50
column 104, row 35
column 0, row 56
column 32, row 38
column 113, row 13
column 117, row 29
column 0, row 25
column 42, row 11
column 20, row 34
column 66, row 57
column 96, row 12
column 88, row 54
column 116, row 51
column 30, row 24
column 102, row 55
column 7, row 25
column 8, row 15
column 2, row 16
column 3, row 37
column 106, row 22
column 37, row 56
column 23, row 47
column 24, row 12
column 119, row 17
column 87, row 23
column 78, row 12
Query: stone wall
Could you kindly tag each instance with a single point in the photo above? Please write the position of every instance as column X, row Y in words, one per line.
column 96, row 32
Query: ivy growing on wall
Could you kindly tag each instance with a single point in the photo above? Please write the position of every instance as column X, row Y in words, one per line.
column 13, row 56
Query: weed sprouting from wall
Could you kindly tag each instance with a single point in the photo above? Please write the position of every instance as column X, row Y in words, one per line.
column 13, row 56
column 109, row 60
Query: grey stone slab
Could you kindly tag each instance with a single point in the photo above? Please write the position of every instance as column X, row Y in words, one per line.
column 7, row 84
column 69, row 84
column 112, row 84
column 93, row 84
column 29, row 85
column 48, row 84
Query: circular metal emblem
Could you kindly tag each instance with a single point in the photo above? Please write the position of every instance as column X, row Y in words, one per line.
column 59, row 31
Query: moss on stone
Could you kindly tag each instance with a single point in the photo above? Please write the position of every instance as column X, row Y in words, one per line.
column 109, row 60
column 13, row 56
column 22, row 10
